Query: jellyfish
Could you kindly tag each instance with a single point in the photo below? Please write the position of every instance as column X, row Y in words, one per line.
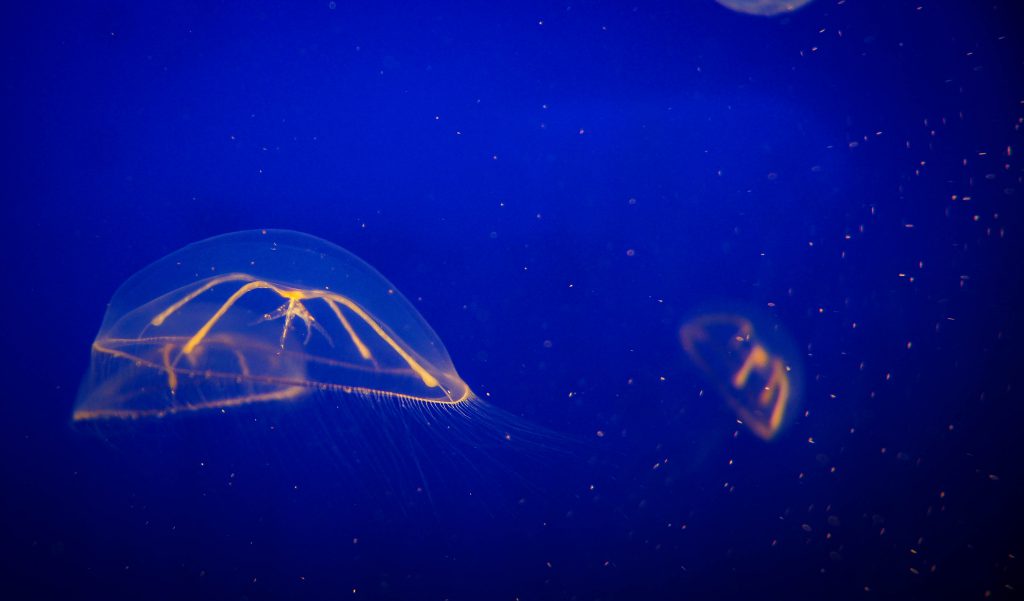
column 756, row 381
column 765, row 8
column 276, row 322
column 260, row 317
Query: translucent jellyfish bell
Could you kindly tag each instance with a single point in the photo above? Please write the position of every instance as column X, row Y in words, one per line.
column 766, row 8
column 759, row 382
column 253, row 317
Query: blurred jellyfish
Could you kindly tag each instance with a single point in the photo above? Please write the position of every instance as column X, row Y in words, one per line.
column 766, row 8
column 755, row 380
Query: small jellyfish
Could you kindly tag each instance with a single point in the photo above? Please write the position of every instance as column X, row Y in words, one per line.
column 756, row 381
column 765, row 8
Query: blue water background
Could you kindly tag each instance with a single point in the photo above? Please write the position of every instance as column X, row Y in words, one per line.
column 557, row 188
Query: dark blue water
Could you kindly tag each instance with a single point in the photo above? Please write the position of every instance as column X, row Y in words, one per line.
column 557, row 189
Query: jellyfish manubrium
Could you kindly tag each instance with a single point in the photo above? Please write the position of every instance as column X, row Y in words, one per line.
column 765, row 8
column 755, row 380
